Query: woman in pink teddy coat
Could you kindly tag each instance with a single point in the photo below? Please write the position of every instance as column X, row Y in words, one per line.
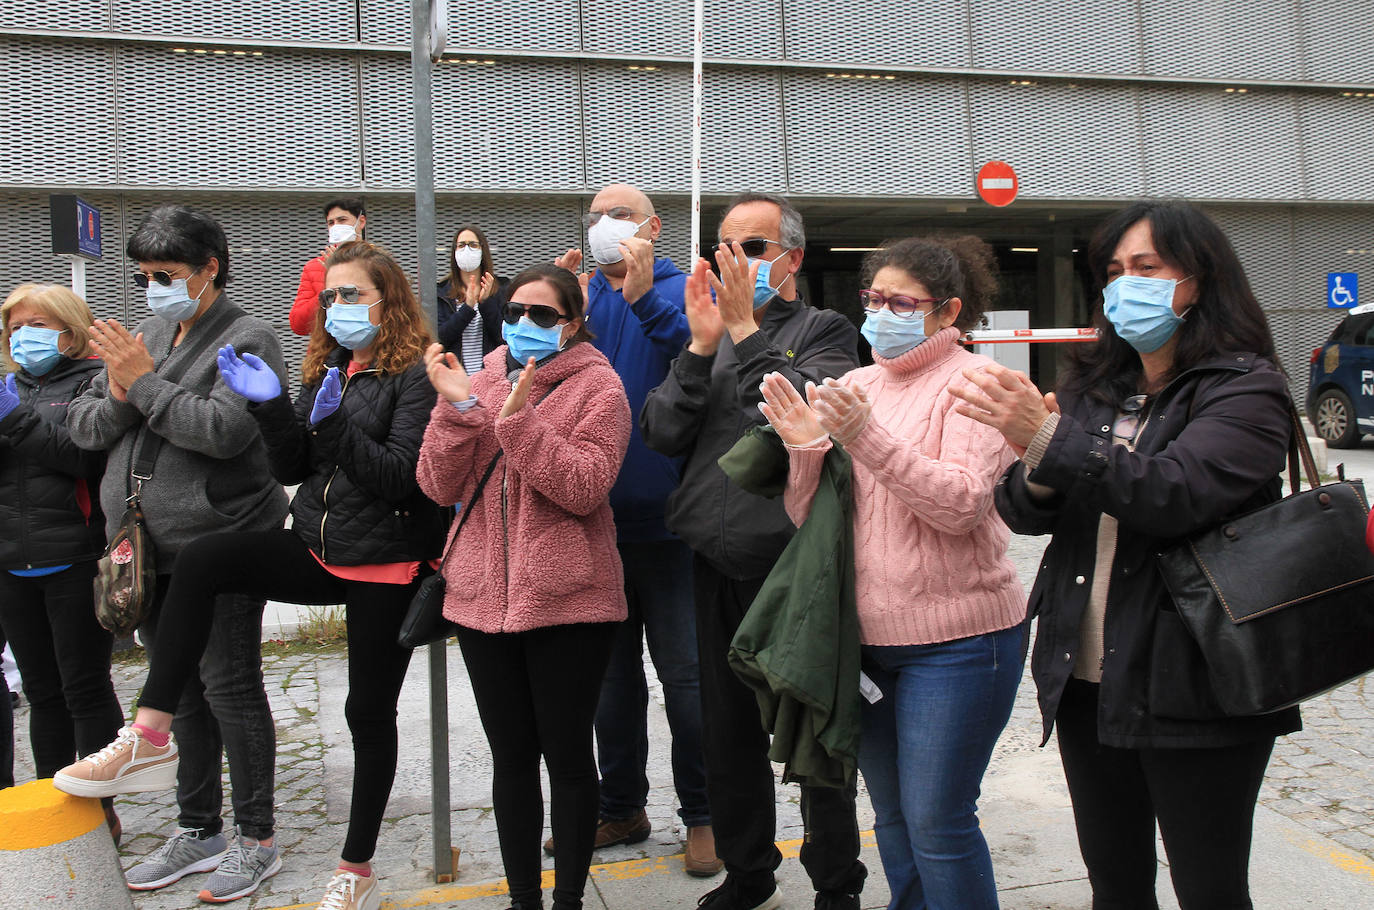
column 534, row 580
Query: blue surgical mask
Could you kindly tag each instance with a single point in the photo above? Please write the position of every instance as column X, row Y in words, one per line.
column 35, row 349
column 763, row 291
column 1142, row 310
column 891, row 335
column 527, row 340
column 349, row 325
column 172, row 302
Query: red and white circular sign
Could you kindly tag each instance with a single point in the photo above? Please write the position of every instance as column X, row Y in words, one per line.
column 997, row 183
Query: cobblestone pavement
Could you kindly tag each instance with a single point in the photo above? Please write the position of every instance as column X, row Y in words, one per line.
column 1319, row 778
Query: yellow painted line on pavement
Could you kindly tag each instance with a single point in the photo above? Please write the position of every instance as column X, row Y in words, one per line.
column 625, row 870
column 1353, row 863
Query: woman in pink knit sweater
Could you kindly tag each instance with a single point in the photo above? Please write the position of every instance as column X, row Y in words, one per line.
column 940, row 608
column 534, row 580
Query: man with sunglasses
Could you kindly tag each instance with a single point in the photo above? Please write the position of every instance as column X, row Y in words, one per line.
column 635, row 311
column 344, row 219
column 758, row 324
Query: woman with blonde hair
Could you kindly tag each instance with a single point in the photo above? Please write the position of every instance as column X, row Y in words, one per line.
column 52, row 530
column 362, row 534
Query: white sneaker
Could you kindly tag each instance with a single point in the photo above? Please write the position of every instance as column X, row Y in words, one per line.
column 130, row 764
column 351, row 891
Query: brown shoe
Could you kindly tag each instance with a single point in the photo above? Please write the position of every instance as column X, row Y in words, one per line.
column 611, row 832
column 700, row 857
column 130, row 764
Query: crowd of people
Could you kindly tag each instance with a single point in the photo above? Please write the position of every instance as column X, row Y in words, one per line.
column 645, row 455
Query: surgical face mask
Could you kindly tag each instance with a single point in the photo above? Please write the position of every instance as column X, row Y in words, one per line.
column 342, row 233
column 891, row 335
column 605, row 236
column 349, row 325
column 527, row 340
column 1142, row 310
column 35, row 349
column 172, row 302
column 763, row 291
column 467, row 258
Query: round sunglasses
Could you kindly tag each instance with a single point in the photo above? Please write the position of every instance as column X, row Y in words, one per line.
column 546, row 317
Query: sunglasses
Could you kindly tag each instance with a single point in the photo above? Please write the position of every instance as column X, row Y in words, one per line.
column 755, row 248
column 546, row 317
column 345, row 293
column 899, row 304
column 1127, row 426
column 163, row 278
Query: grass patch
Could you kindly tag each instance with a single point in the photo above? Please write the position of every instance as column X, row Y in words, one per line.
column 322, row 625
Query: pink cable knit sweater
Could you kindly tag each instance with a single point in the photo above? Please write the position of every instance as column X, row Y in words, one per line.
column 930, row 552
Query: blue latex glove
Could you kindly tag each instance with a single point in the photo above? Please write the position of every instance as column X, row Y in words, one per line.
column 9, row 396
column 328, row 397
column 248, row 376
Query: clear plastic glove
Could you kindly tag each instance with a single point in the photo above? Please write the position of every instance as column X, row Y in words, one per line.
column 842, row 410
column 328, row 397
column 9, row 396
column 248, row 376
column 788, row 412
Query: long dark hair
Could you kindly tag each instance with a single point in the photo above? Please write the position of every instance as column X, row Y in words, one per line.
column 1226, row 317
column 455, row 277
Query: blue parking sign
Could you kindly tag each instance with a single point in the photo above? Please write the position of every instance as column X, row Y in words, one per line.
column 1342, row 290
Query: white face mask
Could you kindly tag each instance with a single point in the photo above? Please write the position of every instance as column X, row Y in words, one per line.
column 605, row 236
column 342, row 233
column 467, row 258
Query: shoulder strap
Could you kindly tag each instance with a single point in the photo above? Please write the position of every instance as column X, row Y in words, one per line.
column 477, row 491
column 216, row 322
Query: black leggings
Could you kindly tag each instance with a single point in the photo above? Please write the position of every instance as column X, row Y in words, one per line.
column 537, row 693
column 278, row 566
column 1203, row 799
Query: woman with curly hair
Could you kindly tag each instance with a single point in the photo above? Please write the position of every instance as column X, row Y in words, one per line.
column 362, row 534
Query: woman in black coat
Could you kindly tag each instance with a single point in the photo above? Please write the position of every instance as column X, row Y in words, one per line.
column 1174, row 419
column 52, row 530
column 471, row 299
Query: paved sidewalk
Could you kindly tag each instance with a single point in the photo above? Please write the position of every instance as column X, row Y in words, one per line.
column 1314, row 844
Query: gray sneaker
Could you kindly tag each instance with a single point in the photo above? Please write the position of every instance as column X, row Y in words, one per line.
column 246, row 864
column 181, row 854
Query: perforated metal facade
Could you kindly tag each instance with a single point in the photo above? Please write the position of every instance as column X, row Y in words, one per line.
column 1261, row 109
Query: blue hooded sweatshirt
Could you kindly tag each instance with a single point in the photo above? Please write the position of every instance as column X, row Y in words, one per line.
column 641, row 342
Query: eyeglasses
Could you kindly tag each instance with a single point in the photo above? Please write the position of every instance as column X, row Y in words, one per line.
column 620, row 213
column 1127, row 426
column 755, row 247
column 468, row 244
column 163, row 278
column 346, row 293
column 546, row 317
column 899, row 304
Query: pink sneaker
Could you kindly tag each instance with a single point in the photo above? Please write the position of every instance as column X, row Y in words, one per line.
column 130, row 764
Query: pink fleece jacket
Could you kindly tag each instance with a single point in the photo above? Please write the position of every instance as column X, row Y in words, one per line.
column 542, row 554
column 930, row 552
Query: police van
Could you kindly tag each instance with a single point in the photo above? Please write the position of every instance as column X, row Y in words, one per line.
column 1340, row 386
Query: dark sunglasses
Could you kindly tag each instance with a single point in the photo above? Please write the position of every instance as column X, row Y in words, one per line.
column 754, row 249
column 899, row 304
column 546, row 317
column 346, row 293
column 163, row 278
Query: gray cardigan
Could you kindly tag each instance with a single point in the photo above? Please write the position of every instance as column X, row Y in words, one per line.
column 211, row 473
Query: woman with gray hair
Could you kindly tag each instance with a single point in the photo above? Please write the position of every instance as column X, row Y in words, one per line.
column 161, row 402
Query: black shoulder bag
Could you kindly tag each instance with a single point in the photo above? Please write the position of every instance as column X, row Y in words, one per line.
column 1280, row 600
column 126, row 574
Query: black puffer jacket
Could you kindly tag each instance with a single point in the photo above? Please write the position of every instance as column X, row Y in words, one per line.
column 358, row 502
column 49, row 488
column 1212, row 445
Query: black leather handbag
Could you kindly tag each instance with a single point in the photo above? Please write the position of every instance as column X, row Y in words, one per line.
column 424, row 622
column 1280, row 600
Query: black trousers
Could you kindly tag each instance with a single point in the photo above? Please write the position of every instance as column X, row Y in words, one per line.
column 739, row 776
column 278, row 566
column 536, row 693
column 1203, row 799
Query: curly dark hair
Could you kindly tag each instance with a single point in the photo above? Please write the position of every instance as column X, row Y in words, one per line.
column 962, row 267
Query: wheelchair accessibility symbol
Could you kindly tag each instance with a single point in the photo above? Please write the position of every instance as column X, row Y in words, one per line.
column 1342, row 290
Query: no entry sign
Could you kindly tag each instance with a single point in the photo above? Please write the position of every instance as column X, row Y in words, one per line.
column 997, row 183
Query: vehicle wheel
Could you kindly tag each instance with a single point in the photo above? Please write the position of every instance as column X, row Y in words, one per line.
column 1336, row 420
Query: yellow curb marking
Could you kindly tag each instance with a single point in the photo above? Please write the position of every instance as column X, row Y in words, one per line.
column 37, row 815
column 1348, row 862
column 624, row 870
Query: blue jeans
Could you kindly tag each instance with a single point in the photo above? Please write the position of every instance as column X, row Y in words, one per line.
column 926, row 744
column 658, row 587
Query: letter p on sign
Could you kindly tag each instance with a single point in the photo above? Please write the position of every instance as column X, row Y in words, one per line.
column 997, row 183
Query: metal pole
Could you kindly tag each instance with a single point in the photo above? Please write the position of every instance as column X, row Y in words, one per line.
column 79, row 277
column 422, row 77
column 696, row 134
